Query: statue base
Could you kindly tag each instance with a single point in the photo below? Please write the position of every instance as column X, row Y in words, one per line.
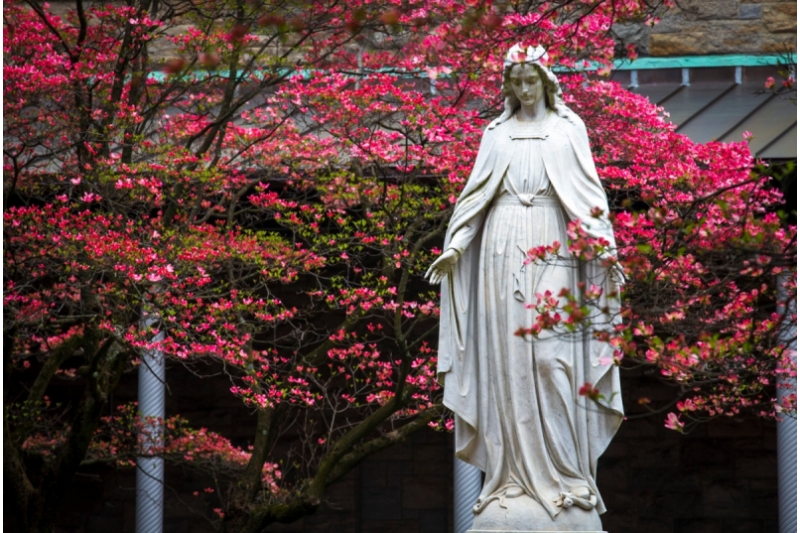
column 523, row 514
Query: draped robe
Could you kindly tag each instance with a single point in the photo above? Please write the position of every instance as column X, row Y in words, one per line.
column 502, row 423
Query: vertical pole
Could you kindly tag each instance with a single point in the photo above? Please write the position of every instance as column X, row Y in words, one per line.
column 360, row 62
column 634, row 79
column 787, row 427
column 467, row 482
column 150, row 470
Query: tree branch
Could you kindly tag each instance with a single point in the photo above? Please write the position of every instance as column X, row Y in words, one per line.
column 354, row 458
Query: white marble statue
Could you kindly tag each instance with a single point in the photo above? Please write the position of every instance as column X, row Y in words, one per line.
column 519, row 416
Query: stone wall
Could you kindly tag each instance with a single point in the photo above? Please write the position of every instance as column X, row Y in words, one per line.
column 705, row 27
column 693, row 27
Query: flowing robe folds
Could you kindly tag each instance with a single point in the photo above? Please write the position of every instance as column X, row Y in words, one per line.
column 519, row 416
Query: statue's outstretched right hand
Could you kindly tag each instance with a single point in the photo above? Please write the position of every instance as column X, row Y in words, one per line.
column 442, row 266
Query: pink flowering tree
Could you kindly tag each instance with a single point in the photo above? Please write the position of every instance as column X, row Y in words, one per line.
column 265, row 196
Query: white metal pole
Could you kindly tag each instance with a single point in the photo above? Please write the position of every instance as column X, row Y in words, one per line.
column 150, row 470
column 787, row 432
column 467, row 482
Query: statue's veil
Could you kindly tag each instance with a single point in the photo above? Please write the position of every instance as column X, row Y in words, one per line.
column 534, row 57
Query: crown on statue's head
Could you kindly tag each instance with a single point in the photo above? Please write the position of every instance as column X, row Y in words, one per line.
column 517, row 54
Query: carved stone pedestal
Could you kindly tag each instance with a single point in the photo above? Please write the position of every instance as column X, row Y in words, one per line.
column 523, row 514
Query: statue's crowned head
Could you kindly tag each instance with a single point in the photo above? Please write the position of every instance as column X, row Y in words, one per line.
column 536, row 58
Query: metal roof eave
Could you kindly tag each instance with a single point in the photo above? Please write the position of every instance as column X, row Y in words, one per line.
column 730, row 60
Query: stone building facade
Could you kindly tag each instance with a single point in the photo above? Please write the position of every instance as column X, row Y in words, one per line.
column 711, row 27
column 692, row 27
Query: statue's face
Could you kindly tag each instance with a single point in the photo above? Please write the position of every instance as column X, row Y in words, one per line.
column 526, row 83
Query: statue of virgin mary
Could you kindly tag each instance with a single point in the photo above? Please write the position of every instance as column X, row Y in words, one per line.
column 519, row 416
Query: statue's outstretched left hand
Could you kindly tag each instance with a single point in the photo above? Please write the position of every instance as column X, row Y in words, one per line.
column 442, row 266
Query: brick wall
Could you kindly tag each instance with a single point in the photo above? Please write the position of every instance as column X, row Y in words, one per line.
column 720, row 478
column 405, row 489
column 700, row 27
